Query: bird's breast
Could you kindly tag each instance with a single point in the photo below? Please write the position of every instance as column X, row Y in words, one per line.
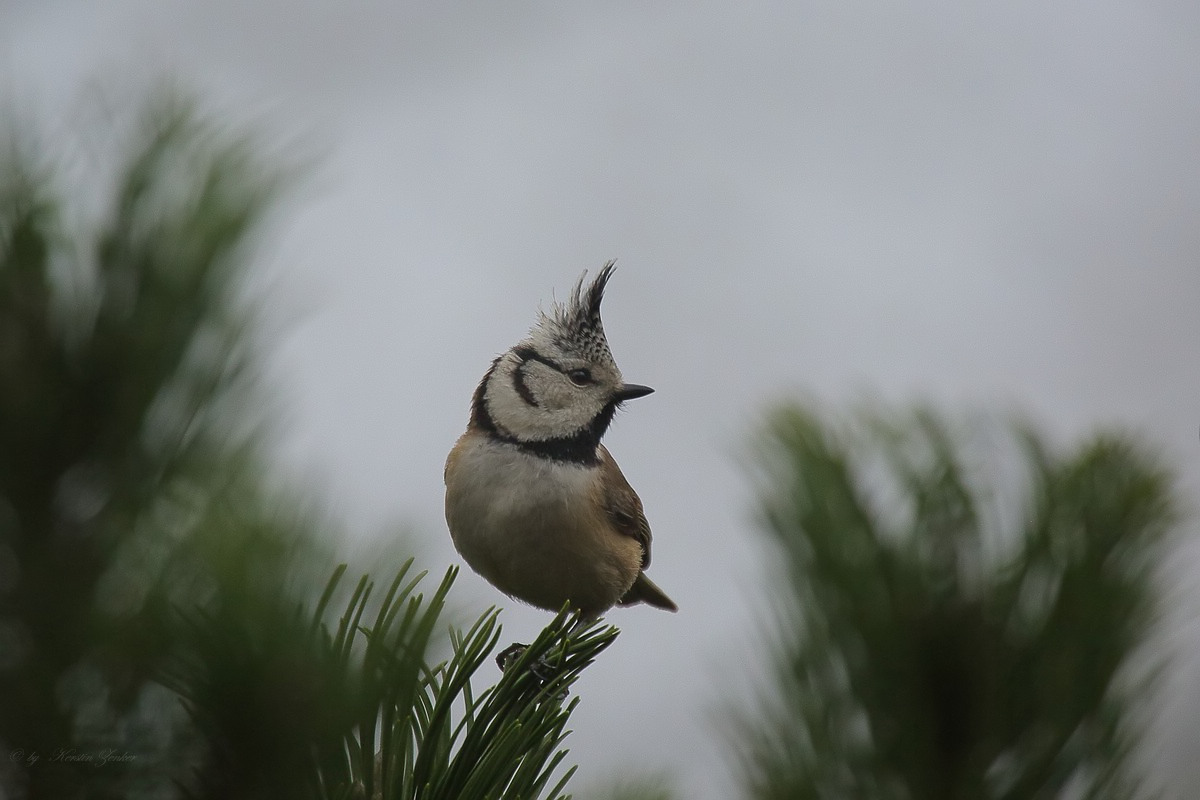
column 536, row 528
column 494, row 482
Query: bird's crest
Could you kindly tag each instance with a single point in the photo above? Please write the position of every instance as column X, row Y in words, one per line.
column 575, row 326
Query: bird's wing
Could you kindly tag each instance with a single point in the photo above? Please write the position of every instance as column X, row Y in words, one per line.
column 622, row 505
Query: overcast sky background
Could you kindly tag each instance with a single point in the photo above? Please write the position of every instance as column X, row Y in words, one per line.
column 987, row 205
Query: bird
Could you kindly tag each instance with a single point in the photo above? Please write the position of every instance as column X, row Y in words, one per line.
column 535, row 504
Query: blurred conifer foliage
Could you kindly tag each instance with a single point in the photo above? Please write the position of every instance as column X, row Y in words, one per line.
column 127, row 481
column 162, row 627
column 959, row 607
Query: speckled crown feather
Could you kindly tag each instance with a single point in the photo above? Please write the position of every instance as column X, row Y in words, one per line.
column 575, row 326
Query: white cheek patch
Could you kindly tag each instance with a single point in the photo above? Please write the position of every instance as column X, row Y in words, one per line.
column 553, row 396
column 559, row 410
column 535, row 423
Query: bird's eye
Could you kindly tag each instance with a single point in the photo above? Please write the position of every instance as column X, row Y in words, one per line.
column 580, row 377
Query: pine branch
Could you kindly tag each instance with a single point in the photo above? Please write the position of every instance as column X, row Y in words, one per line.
column 370, row 718
column 925, row 651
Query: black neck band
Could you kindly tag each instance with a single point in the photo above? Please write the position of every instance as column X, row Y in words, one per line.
column 579, row 449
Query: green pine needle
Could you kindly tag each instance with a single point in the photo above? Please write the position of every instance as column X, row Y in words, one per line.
column 961, row 605
column 426, row 732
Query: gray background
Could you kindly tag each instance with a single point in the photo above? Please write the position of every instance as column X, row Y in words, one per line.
column 986, row 205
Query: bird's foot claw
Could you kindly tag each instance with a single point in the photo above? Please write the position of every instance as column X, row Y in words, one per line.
column 542, row 670
column 509, row 655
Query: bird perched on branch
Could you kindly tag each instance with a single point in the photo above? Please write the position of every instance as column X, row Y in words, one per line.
column 535, row 504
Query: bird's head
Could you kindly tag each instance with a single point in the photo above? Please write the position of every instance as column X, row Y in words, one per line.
column 560, row 383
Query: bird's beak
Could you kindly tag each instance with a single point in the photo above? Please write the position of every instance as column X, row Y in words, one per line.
column 629, row 391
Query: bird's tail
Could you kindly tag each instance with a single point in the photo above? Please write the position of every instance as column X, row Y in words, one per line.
column 646, row 591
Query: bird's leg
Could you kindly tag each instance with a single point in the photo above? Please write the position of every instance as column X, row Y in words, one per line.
column 581, row 620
